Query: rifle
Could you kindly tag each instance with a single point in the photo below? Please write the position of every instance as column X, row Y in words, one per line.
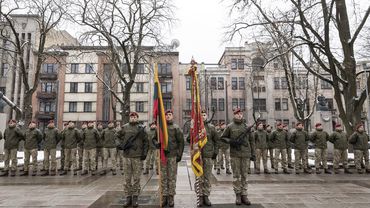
column 130, row 142
column 240, row 140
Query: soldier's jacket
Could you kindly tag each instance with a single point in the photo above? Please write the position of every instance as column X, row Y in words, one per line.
column 320, row 138
column 90, row 138
column 231, row 133
column 80, row 142
column 359, row 140
column 270, row 144
column 289, row 144
column 70, row 138
column 51, row 138
column 211, row 147
column 140, row 144
column 12, row 137
column 300, row 139
column 279, row 139
column 339, row 139
column 32, row 137
column 100, row 142
column 175, row 140
column 109, row 137
column 260, row 139
column 151, row 134
column 222, row 145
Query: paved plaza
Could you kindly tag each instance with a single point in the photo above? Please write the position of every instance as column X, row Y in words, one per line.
column 270, row 191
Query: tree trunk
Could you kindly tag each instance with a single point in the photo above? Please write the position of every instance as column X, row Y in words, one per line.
column 27, row 109
column 126, row 99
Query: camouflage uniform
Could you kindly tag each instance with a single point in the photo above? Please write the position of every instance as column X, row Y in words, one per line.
column 51, row 139
column 152, row 157
column 359, row 140
column 224, row 153
column 109, row 140
column 261, row 139
column 90, row 138
column 32, row 138
column 270, row 145
column 320, row 138
column 12, row 137
column 70, row 138
column 80, row 149
column 289, row 147
column 340, row 141
column 279, row 138
column 99, row 149
column 300, row 139
column 133, row 157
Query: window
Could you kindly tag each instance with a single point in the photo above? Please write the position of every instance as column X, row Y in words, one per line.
column 139, row 106
column 234, row 83
column 213, row 83
column 221, row 104
column 284, row 104
column 167, row 104
column 259, row 104
column 240, row 63
column 277, row 104
column 164, row 69
column 89, row 68
column 284, row 83
column 188, row 104
column 257, row 63
column 50, row 68
column 47, row 107
column 4, row 69
column 330, row 104
column 276, row 83
column 88, row 86
column 72, row 106
column 3, row 90
column 140, row 87
column 87, row 106
column 48, row 87
column 325, row 85
column 220, row 83
column 241, row 83
column 214, row 104
column 234, row 64
column 234, row 103
column 301, row 82
column 259, row 89
column 188, row 85
column 74, row 68
column 73, row 87
column 141, row 69
column 242, row 104
column 276, row 65
column 166, row 87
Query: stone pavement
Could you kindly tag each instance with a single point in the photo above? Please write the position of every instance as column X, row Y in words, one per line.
column 270, row 191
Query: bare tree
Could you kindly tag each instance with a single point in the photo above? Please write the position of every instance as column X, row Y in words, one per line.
column 124, row 27
column 316, row 24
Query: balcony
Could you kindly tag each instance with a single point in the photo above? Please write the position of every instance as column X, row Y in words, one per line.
column 45, row 115
column 49, row 76
column 46, row 95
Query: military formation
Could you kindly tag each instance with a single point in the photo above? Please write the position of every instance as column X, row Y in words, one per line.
column 133, row 148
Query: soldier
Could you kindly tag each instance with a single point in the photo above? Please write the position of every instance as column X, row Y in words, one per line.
column 90, row 138
column 32, row 138
column 300, row 139
column 270, row 145
column 238, row 135
column 99, row 147
column 70, row 138
column 260, row 138
column 279, row 138
column 51, row 139
column 119, row 157
column 12, row 137
column 108, row 137
column 152, row 152
column 174, row 155
column 289, row 146
column 224, row 152
column 62, row 155
column 320, row 138
column 340, row 141
column 209, row 153
column 359, row 139
column 80, row 146
column 135, row 148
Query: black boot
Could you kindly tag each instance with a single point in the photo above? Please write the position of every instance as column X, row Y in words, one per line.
column 64, row 172
column 285, row 171
column 146, row 172
column 34, row 173
column 114, row 172
column 245, row 200
column 12, row 173
column 206, row 201
column 228, row 172
column 164, row 201
column 128, row 202
column 327, row 171
column 171, row 201
column 134, row 201
column 307, row 171
column 346, row 170
column 4, row 174
column 238, row 199
column 46, row 173
column 103, row 172
column 218, row 171
column 84, row 172
column 25, row 173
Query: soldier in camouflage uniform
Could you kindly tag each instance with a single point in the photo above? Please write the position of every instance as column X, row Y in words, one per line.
column 320, row 139
column 51, row 139
column 12, row 136
column 300, row 139
column 80, row 146
column 99, row 147
column 152, row 157
column 359, row 139
column 70, row 138
column 62, row 155
column 33, row 137
column 279, row 138
column 261, row 139
column 340, row 141
column 224, row 152
column 134, row 143
column 289, row 147
column 270, row 145
column 108, row 137
column 238, row 135
column 119, row 157
column 90, row 138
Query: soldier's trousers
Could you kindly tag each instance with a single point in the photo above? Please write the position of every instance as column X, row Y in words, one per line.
column 279, row 152
column 271, row 154
column 359, row 156
column 99, row 153
column 223, row 154
column 27, row 155
column 169, row 177
column 10, row 155
column 120, row 158
column 112, row 154
column 321, row 155
column 289, row 156
column 340, row 156
column 70, row 159
column 80, row 153
column 205, row 179
column 300, row 156
column 261, row 154
column 89, row 159
column 239, row 166
column 50, row 155
column 151, row 158
column 62, row 158
column 131, row 176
